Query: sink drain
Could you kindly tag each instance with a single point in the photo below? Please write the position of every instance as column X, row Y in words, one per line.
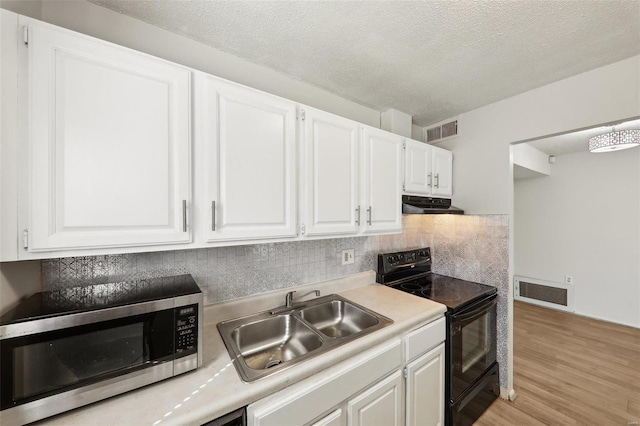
column 273, row 363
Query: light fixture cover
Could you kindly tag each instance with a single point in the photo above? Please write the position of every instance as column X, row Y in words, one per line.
column 615, row 141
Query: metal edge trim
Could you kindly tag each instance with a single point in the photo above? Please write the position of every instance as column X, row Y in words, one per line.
column 82, row 318
column 85, row 395
column 184, row 364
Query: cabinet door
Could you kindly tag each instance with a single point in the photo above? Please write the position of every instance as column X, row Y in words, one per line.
column 442, row 172
column 417, row 168
column 336, row 418
column 381, row 181
column 381, row 404
column 109, row 144
column 330, row 158
column 425, row 389
column 250, row 162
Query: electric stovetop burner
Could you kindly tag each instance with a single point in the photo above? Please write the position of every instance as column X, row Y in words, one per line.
column 410, row 271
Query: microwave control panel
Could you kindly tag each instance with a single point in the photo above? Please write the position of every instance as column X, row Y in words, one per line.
column 186, row 328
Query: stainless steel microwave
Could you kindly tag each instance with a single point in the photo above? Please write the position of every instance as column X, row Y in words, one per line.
column 63, row 349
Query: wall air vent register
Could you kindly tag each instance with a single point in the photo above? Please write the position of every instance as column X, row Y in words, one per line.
column 544, row 293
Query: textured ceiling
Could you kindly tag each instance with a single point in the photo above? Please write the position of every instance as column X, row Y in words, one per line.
column 430, row 59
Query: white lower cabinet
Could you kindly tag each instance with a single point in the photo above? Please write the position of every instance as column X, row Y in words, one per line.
column 316, row 398
column 382, row 404
column 336, row 418
column 396, row 383
column 425, row 389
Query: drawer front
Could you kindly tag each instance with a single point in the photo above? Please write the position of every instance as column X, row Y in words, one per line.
column 424, row 338
column 301, row 403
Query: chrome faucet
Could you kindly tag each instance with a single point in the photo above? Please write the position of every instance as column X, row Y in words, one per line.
column 288, row 301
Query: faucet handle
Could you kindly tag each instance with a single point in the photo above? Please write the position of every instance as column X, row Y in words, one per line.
column 288, row 300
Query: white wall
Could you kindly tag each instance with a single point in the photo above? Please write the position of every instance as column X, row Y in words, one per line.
column 584, row 220
column 483, row 163
column 18, row 280
column 481, row 166
column 524, row 155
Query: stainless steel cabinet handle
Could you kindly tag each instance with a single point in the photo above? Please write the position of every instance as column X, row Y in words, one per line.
column 369, row 213
column 213, row 215
column 437, row 180
column 358, row 216
column 429, row 181
column 184, row 215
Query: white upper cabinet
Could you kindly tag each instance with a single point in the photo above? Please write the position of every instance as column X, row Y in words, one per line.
column 108, row 144
column 249, row 140
column 381, row 181
column 442, row 172
column 417, row 168
column 427, row 170
column 330, row 153
column 102, row 160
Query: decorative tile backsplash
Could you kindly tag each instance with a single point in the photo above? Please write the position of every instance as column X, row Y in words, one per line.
column 474, row 248
column 468, row 247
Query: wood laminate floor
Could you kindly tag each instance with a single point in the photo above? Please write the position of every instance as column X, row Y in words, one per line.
column 570, row 370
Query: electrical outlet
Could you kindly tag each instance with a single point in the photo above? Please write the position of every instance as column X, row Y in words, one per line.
column 347, row 257
column 568, row 279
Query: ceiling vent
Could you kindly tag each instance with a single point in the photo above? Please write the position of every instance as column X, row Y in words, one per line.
column 444, row 131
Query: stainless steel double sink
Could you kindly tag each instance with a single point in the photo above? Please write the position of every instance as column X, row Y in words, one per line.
column 267, row 342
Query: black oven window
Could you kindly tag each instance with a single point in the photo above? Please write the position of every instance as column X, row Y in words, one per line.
column 48, row 365
column 475, row 342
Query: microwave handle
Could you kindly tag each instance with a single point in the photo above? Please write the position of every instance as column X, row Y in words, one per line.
column 475, row 313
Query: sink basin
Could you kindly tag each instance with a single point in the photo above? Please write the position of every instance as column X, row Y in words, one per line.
column 267, row 342
column 270, row 342
column 338, row 318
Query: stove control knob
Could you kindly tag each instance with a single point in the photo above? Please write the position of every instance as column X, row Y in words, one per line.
column 423, row 253
column 390, row 259
column 396, row 258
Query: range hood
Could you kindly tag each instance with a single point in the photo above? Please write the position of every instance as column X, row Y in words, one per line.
column 428, row 205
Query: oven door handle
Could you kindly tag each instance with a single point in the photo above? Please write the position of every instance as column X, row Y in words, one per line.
column 475, row 313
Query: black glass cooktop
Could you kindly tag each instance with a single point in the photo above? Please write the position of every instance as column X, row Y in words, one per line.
column 99, row 296
column 453, row 292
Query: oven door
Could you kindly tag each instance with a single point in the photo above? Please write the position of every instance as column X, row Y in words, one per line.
column 472, row 344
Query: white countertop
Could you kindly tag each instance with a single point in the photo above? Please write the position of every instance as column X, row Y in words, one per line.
column 215, row 388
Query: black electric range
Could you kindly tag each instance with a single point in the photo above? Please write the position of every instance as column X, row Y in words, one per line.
column 471, row 380
column 456, row 294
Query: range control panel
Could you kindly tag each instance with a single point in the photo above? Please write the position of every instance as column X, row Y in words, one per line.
column 186, row 334
column 391, row 262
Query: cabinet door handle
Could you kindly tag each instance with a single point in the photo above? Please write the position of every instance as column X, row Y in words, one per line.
column 369, row 213
column 429, row 180
column 184, row 215
column 358, row 216
column 213, row 215
column 437, row 180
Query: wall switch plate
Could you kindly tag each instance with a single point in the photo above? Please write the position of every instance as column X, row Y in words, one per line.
column 347, row 257
column 568, row 279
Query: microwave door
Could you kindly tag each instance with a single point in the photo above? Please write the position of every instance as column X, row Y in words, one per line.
column 57, row 361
